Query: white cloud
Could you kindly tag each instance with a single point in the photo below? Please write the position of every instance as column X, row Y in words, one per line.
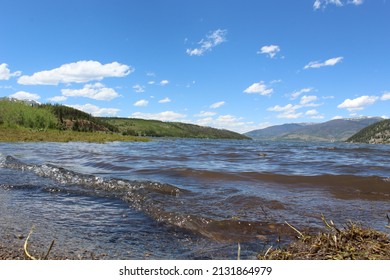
column 23, row 95
column 212, row 40
column 163, row 116
column 165, row 100
column 295, row 94
column 5, row 73
column 141, row 103
column 270, row 50
column 307, row 100
column 356, row 2
column 337, row 118
column 311, row 112
column 358, row 103
column 318, row 4
column 164, row 82
column 328, row 97
column 96, row 91
column 259, row 88
column 217, row 105
column 204, row 114
column 323, row 3
column 139, row 88
column 329, row 62
column 286, row 108
column 228, row 122
column 289, row 111
column 57, row 98
column 95, row 110
column 385, row 96
column 77, row 72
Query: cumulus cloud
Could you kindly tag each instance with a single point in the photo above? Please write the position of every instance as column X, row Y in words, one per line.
column 307, row 100
column 204, row 114
column 259, row 88
column 286, row 112
column 358, row 103
column 5, row 73
column 323, row 3
column 217, row 105
column 165, row 100
column 270, row 50
column 212, row 40
column 163, row 116
column 57, row 98
column 228, row 122
column 318, row 4
column 356, row 2
column 296, row 94
column 141, row 103
column 95, row 110
column 329, row 62
column 77, row 72
column 311, row 112
column 164, row 82
column 385, row 96
column 23, row 95
column 139, row 88
column 289, row 111
column 95, row 91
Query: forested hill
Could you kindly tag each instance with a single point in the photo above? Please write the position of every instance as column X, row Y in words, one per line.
column 15, row 113
column 378, row 133
column 155, row 128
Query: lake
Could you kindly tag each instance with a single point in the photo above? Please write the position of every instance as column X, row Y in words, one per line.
column 186, row 199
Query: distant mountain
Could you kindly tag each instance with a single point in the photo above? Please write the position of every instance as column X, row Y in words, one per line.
column 377, row 133
column 276, row 131
column 25, row 101
column 334, row 130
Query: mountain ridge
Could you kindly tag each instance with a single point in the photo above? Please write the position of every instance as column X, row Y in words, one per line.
column 333, row 130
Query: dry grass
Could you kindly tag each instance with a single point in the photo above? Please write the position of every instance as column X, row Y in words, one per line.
column 353, row 242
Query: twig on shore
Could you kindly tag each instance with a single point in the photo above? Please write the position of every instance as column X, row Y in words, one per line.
column 26, row 245
column 266, row 253
column 300, row 233
column 48, row 251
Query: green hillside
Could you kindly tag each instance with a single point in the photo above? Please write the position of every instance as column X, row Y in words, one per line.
column 14, row 114
column 154, row 128
column 22, row 115
column 378, row 133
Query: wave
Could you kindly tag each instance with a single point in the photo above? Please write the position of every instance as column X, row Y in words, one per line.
column 349, row 149
column 164, row 203
column 342, row 186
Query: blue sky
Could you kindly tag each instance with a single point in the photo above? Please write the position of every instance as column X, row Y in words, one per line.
column 239, row 65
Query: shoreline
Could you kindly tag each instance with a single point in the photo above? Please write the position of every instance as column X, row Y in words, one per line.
column 28, row 135
column 353, row 242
